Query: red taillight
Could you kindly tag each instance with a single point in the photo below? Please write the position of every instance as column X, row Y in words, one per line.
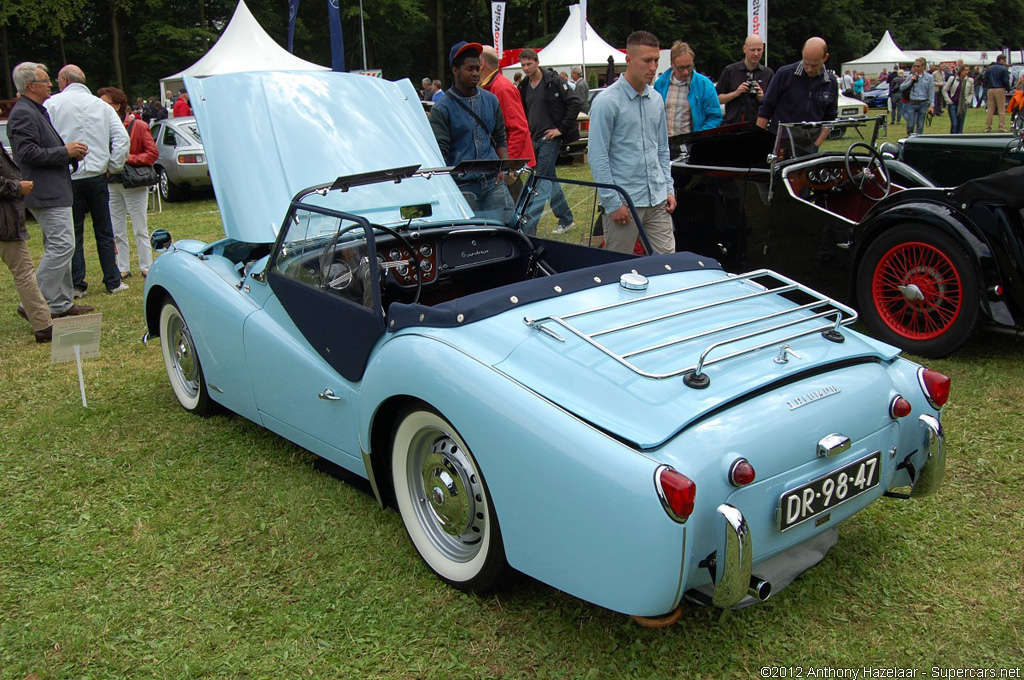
column 676, row 491
column 741, row 473
column 585, row 126
column 190, row 158
column 899, row 408
column 935, row 386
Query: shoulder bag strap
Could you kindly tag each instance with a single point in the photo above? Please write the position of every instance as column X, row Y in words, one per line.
column 470, row 111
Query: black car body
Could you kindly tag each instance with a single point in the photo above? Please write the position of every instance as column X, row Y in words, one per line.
column 923, row 267
column 950, row 160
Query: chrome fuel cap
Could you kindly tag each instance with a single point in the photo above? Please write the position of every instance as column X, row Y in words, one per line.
column 633, row 281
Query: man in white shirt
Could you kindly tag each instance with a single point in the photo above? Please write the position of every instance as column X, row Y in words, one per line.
column 78, row 114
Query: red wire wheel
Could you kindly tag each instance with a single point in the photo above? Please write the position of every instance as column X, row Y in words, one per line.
column 918, row 290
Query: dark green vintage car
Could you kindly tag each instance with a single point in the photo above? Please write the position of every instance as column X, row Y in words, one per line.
column 951, row 160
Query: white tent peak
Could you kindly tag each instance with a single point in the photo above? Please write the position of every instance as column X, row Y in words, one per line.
column 886, row 52
column 243, row 46
column 568, row 49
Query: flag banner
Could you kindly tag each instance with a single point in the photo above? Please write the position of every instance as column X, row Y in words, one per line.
column 337, row 39
column 293, row 10
column 498, row 26
column 583, row 19
column 757, row 19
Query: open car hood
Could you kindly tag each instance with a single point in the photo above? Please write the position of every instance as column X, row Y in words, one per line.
column 270, row 135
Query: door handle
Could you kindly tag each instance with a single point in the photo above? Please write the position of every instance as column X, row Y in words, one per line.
column 329, row 395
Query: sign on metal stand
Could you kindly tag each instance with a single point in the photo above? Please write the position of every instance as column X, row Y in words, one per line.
column 76, row 338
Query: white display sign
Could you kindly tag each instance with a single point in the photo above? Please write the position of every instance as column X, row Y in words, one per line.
column 76, row 338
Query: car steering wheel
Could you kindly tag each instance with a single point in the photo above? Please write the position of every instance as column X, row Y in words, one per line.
column 874, row 173
column 412, row 253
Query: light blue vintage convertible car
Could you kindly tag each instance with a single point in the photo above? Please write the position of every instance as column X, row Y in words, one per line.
column 630, row 430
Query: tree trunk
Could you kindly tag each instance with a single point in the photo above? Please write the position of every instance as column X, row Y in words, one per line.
column 202, row 20
column 441, row 61
column 8, row 83
column 115, row 32
column 544, row 16
column 63, row 54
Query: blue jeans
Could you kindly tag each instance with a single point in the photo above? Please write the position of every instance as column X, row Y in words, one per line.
column 547, row 153
column 897, row 110
column 487, row 199
column 956, row 122
column 915, row 113
column 91, row 196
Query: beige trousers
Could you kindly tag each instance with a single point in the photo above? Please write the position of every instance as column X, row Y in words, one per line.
column 996, row 105
column 17, row 258
column 657, row 225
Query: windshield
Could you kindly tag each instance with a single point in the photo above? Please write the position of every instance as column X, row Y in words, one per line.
column 803, row 139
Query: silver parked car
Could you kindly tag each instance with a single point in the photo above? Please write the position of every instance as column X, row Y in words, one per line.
column 182, row 162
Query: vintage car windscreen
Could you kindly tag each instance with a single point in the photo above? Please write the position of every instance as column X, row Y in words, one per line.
column 382, row 202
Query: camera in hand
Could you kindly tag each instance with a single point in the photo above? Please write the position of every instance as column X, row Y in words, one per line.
column 752, row 85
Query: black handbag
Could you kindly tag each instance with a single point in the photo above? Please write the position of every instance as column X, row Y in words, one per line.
column 138, row 176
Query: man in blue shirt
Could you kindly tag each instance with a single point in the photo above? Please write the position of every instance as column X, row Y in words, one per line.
column 802, row 92
column 997, row 81
column 628, row 146
column 918, row 89
column 468, row 125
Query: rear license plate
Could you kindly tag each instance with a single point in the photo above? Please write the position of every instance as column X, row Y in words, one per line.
column 824, row 493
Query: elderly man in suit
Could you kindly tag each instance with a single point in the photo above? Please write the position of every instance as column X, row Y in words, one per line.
column 44, row 158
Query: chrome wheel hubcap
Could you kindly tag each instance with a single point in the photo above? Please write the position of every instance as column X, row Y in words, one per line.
column 449, row 492
column 183, row 356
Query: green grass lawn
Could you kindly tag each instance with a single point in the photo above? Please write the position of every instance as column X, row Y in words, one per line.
column 139, row 541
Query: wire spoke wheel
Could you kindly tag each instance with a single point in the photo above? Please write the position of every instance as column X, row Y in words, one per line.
column 918, row 290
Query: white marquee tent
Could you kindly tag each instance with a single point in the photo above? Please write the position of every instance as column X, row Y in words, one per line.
column 243, row 46
column 887, row 54
column 568, row 49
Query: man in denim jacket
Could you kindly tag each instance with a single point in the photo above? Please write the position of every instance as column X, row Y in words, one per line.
column 468, row 125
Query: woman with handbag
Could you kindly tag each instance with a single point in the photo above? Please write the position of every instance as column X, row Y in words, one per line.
column 129, row 189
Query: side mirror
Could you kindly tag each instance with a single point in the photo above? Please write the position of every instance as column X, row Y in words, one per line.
column 160, row 240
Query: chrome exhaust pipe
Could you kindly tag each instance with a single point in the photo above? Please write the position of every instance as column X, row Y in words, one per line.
column 759, row 588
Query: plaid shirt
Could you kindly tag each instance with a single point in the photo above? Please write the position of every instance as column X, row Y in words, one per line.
column 677, row 107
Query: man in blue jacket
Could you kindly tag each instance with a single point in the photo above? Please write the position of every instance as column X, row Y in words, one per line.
column 691, row 102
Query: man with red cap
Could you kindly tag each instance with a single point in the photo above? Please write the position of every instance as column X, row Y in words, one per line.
column 468, row 124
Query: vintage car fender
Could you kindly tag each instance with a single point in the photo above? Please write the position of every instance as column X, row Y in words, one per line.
column 954, row 223
column 215, row 311
column 594, row 528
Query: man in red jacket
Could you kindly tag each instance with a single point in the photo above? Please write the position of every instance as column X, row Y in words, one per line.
column 182, row 107
column 516, row 127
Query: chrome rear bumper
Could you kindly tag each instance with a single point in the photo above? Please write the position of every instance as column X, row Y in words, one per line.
column 934, row 469
column 735, row 559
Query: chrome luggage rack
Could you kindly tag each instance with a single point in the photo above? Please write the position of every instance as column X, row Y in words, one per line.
column 797, row 320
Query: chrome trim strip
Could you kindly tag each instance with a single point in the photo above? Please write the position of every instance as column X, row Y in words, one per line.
column 368, row 466
column 934, row 469
column 734, row 561
column 822, row 307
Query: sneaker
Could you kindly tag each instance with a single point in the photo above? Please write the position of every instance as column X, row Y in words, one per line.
column 79, row 293
column 122, row 287
column 562, row 228
column 125, row 275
